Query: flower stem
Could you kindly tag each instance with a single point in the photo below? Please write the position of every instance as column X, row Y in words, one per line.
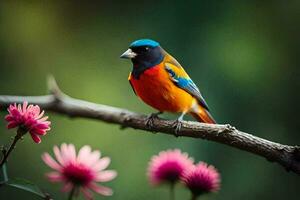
column 194, row 197
column 20, row 133
column 172, row 191
column 72, row 193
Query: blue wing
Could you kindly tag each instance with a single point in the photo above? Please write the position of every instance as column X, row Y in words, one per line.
column 186, row 84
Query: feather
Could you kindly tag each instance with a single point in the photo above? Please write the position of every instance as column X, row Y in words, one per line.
column 183, row 81
column 129, row 77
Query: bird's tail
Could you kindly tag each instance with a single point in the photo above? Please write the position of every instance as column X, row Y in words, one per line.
column 203, row 116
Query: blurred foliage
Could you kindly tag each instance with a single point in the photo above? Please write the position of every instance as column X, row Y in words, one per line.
column 243, row 55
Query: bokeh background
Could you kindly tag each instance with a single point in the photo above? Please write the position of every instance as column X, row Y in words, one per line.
column 243, row 55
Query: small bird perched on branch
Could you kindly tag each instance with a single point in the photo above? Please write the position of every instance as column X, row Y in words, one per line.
column 161, row 82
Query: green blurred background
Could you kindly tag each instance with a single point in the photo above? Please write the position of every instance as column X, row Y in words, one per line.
column 243, row 55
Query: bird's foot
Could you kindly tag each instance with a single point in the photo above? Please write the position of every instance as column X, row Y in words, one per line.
column 177, row 125
column 150, row 119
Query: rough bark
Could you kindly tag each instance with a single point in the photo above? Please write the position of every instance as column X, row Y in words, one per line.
column 58, row 102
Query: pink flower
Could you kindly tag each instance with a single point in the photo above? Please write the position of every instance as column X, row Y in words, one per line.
column 202, row 178
column 79, row 172
column 28, row 118
column 168, row 166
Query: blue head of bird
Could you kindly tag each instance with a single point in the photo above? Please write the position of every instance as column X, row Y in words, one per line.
column 144, row 54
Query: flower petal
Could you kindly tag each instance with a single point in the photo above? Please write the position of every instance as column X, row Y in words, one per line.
column 35, row 138
column 51, row 162
column 8, row 118
column 40, row 115
column 67, row 187
column 58, row 155
column 41, row 125
column 55, row 177
column 65, row 152
column 101, row 164
column 93, row 158
column 72, row 152
column 25, row 104
column 83, row 154
column 106, row 175
column 87, row 194
column 12, row 124
column 38, row 131
column 101, row 189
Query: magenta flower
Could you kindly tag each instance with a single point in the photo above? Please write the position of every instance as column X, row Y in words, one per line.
column 168, row 166
column 28, row 118
column 202, row 178
column 79, row 173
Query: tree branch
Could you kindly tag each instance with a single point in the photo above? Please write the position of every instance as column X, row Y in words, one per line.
column 57, row 101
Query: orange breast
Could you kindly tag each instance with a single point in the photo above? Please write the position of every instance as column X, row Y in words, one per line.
column 156, row 89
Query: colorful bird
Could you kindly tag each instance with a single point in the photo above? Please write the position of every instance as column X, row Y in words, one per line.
column 161, row 82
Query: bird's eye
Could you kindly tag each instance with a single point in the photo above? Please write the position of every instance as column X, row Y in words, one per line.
column 142, row 49
column 145, row 49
